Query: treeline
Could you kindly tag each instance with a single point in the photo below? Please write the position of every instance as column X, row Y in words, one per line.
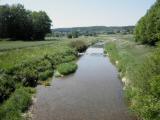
column 147, row 30
column 18, row 23
column 92, row 31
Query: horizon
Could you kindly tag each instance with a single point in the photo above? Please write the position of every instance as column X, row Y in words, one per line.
column 88, row 13
column 91, row 26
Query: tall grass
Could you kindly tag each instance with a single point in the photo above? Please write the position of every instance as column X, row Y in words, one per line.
column 141, row 67
column 17, row 103
column 23, row 68
column 67, row 68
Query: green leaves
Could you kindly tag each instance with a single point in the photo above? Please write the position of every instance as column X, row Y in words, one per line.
column 148, row 28
column 18, row 23
column 67, row 68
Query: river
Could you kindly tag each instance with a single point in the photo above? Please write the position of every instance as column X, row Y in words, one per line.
column 94, row 92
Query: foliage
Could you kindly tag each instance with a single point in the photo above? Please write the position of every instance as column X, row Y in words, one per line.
column 147, row 30
column 74, row 34
column 18, row 23
column 41, row 25
column 79, row 45
column 146, row 84
column 141, row 67
column 17, row 103
column 7, row 86
column 21, row 68
column 67, row 68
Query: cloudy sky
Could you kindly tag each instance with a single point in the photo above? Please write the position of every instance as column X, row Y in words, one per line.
column 73, row 13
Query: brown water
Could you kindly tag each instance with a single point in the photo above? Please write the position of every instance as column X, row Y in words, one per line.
column 94, row 92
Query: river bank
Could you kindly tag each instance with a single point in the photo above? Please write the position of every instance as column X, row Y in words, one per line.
column 93, row 92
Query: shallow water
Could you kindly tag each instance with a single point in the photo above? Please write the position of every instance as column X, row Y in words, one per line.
column 94, row 92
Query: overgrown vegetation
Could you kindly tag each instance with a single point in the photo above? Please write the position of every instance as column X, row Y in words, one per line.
column 139, row 67
column 20, row 24
column 147, row 30
column 67, row 68
column 23, row 68
column 79, row 45
column 17, row 103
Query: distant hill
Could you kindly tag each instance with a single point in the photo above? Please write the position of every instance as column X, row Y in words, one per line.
column 96, row 29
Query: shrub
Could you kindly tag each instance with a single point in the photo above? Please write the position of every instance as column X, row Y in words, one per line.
column 45, row 75
column 66, row 68
column 7, row 86
column 17, row 103
column 28, row 76
column 79, row 45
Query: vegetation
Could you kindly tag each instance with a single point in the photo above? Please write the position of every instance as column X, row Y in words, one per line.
column 79, row 45
column 28, row 66
column 67, row 68
column 17, row 103
column 6, row 45
column 74, row 34
column 147, row 30
column 139, row 68
column 92, row 31
column 20, row 24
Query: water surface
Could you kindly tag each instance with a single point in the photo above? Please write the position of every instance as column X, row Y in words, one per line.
column 94, row 92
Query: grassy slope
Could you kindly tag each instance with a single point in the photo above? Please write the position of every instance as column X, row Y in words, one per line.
column 139, row 66
column 127, row 52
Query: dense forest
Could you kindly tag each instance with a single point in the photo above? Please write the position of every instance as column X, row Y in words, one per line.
column 18, row 23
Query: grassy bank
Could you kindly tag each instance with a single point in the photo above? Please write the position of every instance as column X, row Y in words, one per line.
column 25, row 65
column 139, row 68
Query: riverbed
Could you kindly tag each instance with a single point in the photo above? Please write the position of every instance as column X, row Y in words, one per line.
column 93, row 92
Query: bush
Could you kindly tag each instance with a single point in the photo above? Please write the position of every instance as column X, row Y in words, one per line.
column 66, row 68
column 79, row 45
column 7, row 86
column 17, row 103
column 45, row 75
column 28, row 76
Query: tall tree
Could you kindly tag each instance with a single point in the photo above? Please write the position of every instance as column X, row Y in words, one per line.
column 147, row 30
column 41, row 24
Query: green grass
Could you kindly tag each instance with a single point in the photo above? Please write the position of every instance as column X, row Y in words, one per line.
column 123, row 49
column 25, row 64
column 16, row 104
column 67, row 68
column 10, row 45
column 140, row 65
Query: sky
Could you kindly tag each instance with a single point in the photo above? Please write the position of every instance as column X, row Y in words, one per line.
column 78, row 13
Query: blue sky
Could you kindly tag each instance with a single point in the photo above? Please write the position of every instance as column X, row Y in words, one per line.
column 73, row 13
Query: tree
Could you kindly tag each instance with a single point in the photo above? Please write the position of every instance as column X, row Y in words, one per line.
column 41, row 25
column 18, row 23
column 147, row 30
column 75, row 34
column 4, row 21
column 20, row 26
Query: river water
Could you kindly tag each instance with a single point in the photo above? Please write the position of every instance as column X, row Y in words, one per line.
column 94, row 92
